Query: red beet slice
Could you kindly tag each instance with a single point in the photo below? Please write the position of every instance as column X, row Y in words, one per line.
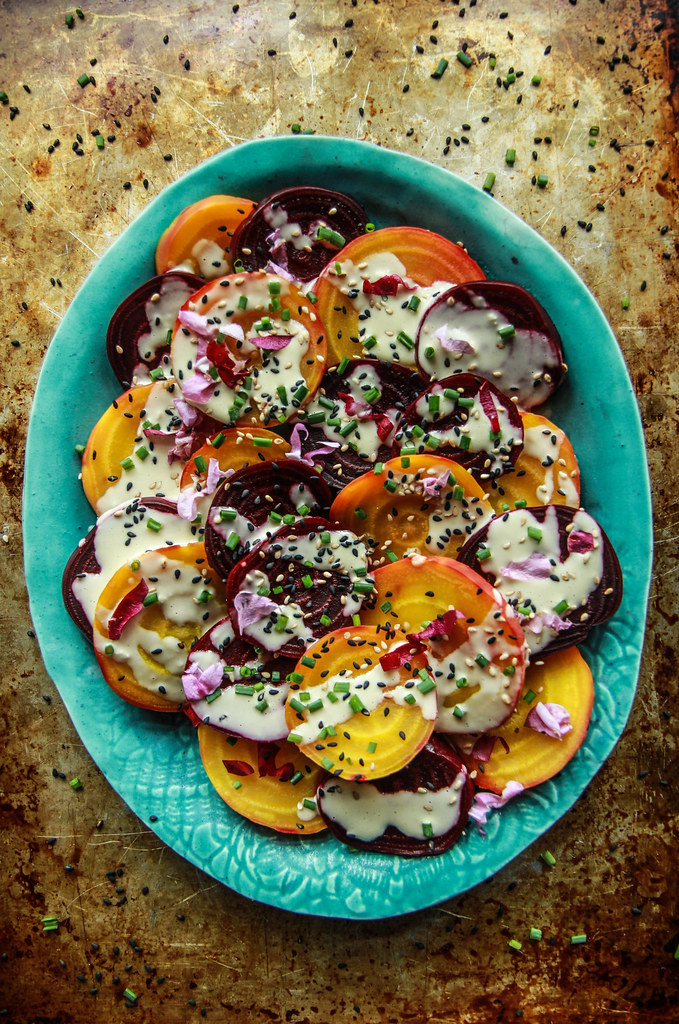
column 260, row 495
column 221, row 660
column 486, row 437
column 499, row 331
column 297, row 586
column 283, row 230
column 84, row 559
column 139, row 317
column 568, row 626
column 342, row 397
column 435, row 768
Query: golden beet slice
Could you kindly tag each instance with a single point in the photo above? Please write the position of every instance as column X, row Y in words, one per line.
column 148, row 616
column 546, row 471
column 272, row 784
column 354, row 717
column 419, row 503
column 521, row 754
column 233, row 448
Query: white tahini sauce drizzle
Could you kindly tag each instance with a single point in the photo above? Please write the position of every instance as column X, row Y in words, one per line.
column 383, row 317
column 364, row 439
column 161, row 312
column 515, row 365
column 207, row 259
column 123, row 533
column 154, row 474
column 157, row 661
column 537, row 444
column 577, row 576
column 365, row 813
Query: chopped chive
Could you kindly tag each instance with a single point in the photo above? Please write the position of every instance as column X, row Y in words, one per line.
column 281, row 623
column 578, row 940
column 451, row 394
column 548, row 858
column 275, row 517
column 327, row 763
column 390, row 485
column 76, row 783
column 465, row 403
column 325, row 620
column 509, row 670
column 108, row 649
column 414, row 302
column 458, row 711
column 405, row 340
column 83, row 80
column 372, row 747
column 288, row 519
column 296, row 705
column 536, row 933
column 342, row 365
column 129, row 994
column 233, row 540
column 372, row 396
column 244, row 690
column 348, row 428
column 297, row 777
column 341, row 686
column 127, row 464
column 625, row 302
column 489, row 182
column 562, row 606
column 315, row 417
column 481, row 660
column 427, row 830
column 514, row 944
column 356, row 704
column 594, row 130
column 410, row 698
column 370, row 342
column 309, row 803
column 301, row 393
column 508, row 331
column 200, row 463
column 294, row 737
column 356, row 620
column 392, row 556
column 315, row 705
column 530, row 696
column 464, row 58
column 228, row 514
column 285, row 315
column 442, row 65
column 153, row 524
column 204, row 596
column 262, row 442
column 542, row 180
column 427, row 685
column 242, row 302
column 483, row 553
column 363, row 587
column 79, row 449
column 213, row 696
column 360, row 513
column 461, row 682
column 521, row 503
column 458, row 492
column 274, row 287
column 465, row 442
column 535, row 80
column 510, row 156
column 150, row 599
column 535, row 532
column 308, row 582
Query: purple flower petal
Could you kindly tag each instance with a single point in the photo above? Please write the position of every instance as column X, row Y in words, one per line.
column 187, row 503
column 300, row 434
column 187, row 414
column 551, row 719
column 251, row 608
column 453, row 344
column 199, row 682
column 484, row 803
column 433, row 485
column 439, row 627
column 198, row 388
column 197, row 323
column 275, row 342
column 214, row 474
column 536, row 567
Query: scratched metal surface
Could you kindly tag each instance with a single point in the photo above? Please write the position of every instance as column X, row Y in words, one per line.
column 614, row 878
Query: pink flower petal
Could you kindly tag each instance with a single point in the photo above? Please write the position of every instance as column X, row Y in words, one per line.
column 271, row 341
column 126, row 609
column 580, row 542
column 279, row 269
column 187, row 414
column 198, row 388
column 251, row 608
column 187, row 503
column 536, row 567
column 542, row 619
column 483, row 748
column 484, row 803
column 433, row 485
column 214, row 474
column 199, row 682
column 453, row 344
column 197, row 323
column 551, row 719
column 300, row 434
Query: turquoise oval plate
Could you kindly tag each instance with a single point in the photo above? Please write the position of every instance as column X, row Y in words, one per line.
column 153, row 763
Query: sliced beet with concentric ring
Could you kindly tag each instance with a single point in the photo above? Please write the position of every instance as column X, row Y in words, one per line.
column 124, row 532
column 305, row 581
column 359, row 406
column 136, row 340
column 284, row 230
column 232, row 687
column 555, row 566
column 467, row 419
column 430, row 797
column 497, row 330
column 249, row 506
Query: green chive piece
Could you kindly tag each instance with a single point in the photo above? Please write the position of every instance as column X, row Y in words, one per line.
column 356, row 704
column 510, row 156
column 213, row 696
column 508, row 331
column 233, row 540
column 315, row 417
column 390, row 485
column 451, row 394
column 536, row 933
column 414, row 302
column 481, row 660
column 535, row 532
column 342, row 365
column 243, row 690
column 297, row 777
column 309, row 803
column 285, row 315
column 200, row 463
column 242, row 302
column 458, row 492
column 108, row 649
column 385, row 607
column 363, row 587
column 405, row 340
column 69, row 20
column 372, row 396
column 301, row 393
column 348, row 428
column 341, row 686
column 294, row 737
column 427, row 830
column 99, row 139
column 295, row 128
column 370, row 342
column 150, row 599
column 76, row 783
column 543, row 179
column 129, row 994
column 392, row 556
column 308, row 582
column 489, row 182
column 461, row 682
column 562, row 606
column 530, row 696
column 356, row 620
column 79, row 449
column 483, row 553
column 372, row 747
column 464, row 58
column 521, row 503
column 535, row 80
column 142, row 453
column 514, row 944
column 296, row 705
column 594, row 130
column 153, row 524
column 548, row 858
column 274, row 287
column 458, row 711
column 427, row 685
column 625, row 302
column 360, row 513
column 83, row 80
column 262, row 442
column 325, row 620
column 429, row 352
column 80, row 13
column 465, row 442
column 315, row 705
column 509, row 670
column 441, row 67
column 410, row 698
column 204, row 596
column 227, row 514
column 578, row 940
column 327, row 764
column 127, row 464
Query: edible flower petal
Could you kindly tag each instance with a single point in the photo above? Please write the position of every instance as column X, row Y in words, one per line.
column 484, row 803
column 197, row 323
column 298, row 436
column 271, row 341
column 551, row 719
column 453, row 343
column 439, row 627
column 238, row 767
column 550, row 619
column 198, row 388
column 580, row 542
column 433, row 485
column 199, row 682
column 387, row 285
column 536, row 567
column 401, row 654
column 126, row 609
column 251, row 608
